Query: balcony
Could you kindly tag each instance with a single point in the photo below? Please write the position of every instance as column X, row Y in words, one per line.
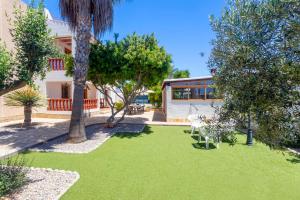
column 66, row 104
column 56, row 64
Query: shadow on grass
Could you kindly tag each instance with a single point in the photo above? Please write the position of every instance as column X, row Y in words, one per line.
column 202, row 145
column 187, row 131
column 147, row 130
column 295, row 158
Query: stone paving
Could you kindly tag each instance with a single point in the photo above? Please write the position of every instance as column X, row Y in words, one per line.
column 14, row 138
column 96, row 135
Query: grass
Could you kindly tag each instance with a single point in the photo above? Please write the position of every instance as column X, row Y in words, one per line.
column 166, row 163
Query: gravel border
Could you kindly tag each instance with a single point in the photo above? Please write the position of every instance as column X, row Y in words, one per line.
column 96, row 135
column 45, row 184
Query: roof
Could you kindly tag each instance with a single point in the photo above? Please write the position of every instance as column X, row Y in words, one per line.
column 185, row 79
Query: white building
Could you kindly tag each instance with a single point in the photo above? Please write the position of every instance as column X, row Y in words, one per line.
column 185, row 96
column 57, row 88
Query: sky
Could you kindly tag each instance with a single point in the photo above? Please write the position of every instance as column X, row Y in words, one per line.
column 181, row 26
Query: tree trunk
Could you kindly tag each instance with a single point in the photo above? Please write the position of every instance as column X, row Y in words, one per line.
column 27, row 116
column 77, row 126
column 111, row 122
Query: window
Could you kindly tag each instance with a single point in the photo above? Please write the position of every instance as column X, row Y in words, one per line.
column 65, row 91
column 181, row 93
column 85, row 93
column 193, row 93
column 209, row 82
column 194, row 89
column 197, row 93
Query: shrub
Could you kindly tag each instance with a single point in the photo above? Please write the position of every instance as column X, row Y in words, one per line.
column 222, row 125
column 119, row 105
column 12, row 175
column 28, row 98
column 5, row 66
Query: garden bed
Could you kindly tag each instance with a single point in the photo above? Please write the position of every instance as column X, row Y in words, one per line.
column 45, row 184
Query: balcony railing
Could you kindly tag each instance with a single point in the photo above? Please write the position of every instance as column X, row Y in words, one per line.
column 56, row 64
column 66, row 104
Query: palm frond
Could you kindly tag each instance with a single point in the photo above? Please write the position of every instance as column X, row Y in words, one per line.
column 27, row 96
column 100, row 13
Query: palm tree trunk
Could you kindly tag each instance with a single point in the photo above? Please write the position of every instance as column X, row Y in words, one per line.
column 77, row 126
column 27, row 116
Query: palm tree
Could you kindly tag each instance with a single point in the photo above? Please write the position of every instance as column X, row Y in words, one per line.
column 28, row 98
column 82, row 16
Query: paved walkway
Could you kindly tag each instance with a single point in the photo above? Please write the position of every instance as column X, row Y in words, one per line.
column 96, row 135
column 14, row 139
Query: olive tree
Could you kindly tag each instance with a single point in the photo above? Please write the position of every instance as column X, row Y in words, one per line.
column 256, row 58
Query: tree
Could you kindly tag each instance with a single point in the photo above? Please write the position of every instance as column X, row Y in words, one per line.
column 180, row 73
column 126, row 68
column 34, row 46
column 255, row 68
column 28, row 98
column 5, row 67
column 82, row 16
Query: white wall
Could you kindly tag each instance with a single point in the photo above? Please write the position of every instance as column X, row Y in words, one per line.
column 60, row 28
column 53, row 89
column 180, row 109
column 54, row 77
column 92, row 92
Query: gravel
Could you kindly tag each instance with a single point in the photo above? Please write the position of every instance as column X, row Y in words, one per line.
column 45, row 184
column 96, row 136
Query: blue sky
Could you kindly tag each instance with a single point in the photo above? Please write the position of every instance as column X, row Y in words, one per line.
column 181, row 26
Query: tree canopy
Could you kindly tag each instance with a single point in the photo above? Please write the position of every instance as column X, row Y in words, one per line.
column 177, row 73
column 5, row 66
column 127, row 67
column 34, row 46
column 256, row 57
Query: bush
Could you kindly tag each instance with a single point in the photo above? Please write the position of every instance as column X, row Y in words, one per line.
column 12, row 175
column 119, row 105
column 27, row 97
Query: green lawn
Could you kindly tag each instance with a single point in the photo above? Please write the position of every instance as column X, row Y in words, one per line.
column 165, row 163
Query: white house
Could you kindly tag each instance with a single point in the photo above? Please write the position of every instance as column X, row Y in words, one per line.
column 185, row 96
column 57, row 88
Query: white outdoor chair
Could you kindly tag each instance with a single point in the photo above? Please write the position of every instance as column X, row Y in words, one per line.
column 196, row 124
column 196, row 121
column 208, row 135
column 193, row 117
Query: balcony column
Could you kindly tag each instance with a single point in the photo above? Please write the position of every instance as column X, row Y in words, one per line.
column 98, row 96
